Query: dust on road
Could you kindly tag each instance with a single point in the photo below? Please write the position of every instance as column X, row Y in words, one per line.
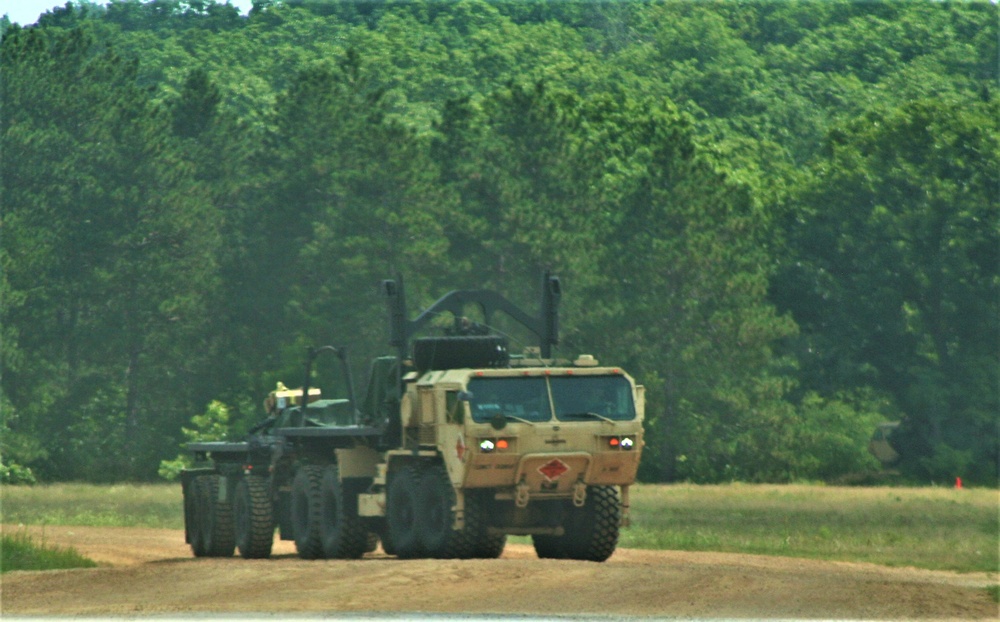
column 151, row 571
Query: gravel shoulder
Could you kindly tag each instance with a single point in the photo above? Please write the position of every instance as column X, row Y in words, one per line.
column 151, row 571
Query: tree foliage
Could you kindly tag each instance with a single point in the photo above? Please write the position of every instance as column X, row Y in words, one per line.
column 781, row 217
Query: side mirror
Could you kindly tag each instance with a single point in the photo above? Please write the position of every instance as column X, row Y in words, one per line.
column 465, row 396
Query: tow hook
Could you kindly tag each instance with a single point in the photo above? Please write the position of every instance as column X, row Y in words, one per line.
column 521, row 494
column 579, row 493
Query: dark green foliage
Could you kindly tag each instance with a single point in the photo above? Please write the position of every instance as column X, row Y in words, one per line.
column 115, row 250
column 898, row 230
column 781, row 217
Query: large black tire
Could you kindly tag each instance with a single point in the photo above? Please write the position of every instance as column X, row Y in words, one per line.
column 402, row 514
column 480, row 544
column 435, row 516
column 195, row 508
column 387, row 545
column 253, row 516
column 342, row 533
column 592, row 531
column 371, row 542
column 307, row 512
column 216, row 535
column 549, row 547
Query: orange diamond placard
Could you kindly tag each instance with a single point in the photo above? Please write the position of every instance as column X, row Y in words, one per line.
column 553, row 469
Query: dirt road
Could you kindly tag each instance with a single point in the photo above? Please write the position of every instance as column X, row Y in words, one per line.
column 149, row 571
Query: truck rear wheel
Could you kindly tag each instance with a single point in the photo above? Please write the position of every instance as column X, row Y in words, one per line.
column 342, row 533
column 307, row 512
column 402, row 513
column 253, row 515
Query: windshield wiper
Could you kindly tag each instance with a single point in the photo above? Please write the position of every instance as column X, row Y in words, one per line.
column 516, row 418
column 499, row 420
column 590, row 414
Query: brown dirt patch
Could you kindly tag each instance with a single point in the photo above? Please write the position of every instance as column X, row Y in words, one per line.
column 147, row 571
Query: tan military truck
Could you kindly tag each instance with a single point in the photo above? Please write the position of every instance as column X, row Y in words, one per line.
column 455, row 445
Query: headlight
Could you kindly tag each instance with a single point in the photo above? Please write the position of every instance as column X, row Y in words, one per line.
column 488, row 445
column 624, row 443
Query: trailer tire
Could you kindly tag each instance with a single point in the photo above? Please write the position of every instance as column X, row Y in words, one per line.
column 253, row 515
column 341, row 530
column 592, row 531
column 216, row 520
column 195, row 509
column 307, row 512
column 402, row 514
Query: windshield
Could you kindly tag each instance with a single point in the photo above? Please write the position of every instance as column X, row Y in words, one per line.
column 525, row 398
column 592, row 397
column 576, row 398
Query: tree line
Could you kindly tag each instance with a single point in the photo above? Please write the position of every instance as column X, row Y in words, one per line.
column 782, row 218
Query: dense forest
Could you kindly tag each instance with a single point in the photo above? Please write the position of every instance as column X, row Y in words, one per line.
column 781, row 217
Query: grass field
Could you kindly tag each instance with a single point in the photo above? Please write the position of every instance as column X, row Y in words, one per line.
column 19, row 551
column 936, row 528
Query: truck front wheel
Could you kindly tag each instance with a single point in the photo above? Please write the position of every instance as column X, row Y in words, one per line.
column 436, row 498
column 478, row 509
column 549, row 547
column 253, row 516
column 592, row 531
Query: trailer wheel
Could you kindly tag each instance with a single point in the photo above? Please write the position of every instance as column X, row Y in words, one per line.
column 435, row 500
column 342, row 533
column 195, row 508
column 253, row 515
column 307, row 512
column 402, row 513
column 592, row 531
column 214, row 535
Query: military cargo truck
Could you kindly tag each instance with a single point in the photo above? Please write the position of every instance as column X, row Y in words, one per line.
column 454, row 445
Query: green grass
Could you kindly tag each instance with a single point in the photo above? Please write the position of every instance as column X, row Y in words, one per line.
column 994, row 591
column 119, row 505
column 935, row 528
column 19, row 551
